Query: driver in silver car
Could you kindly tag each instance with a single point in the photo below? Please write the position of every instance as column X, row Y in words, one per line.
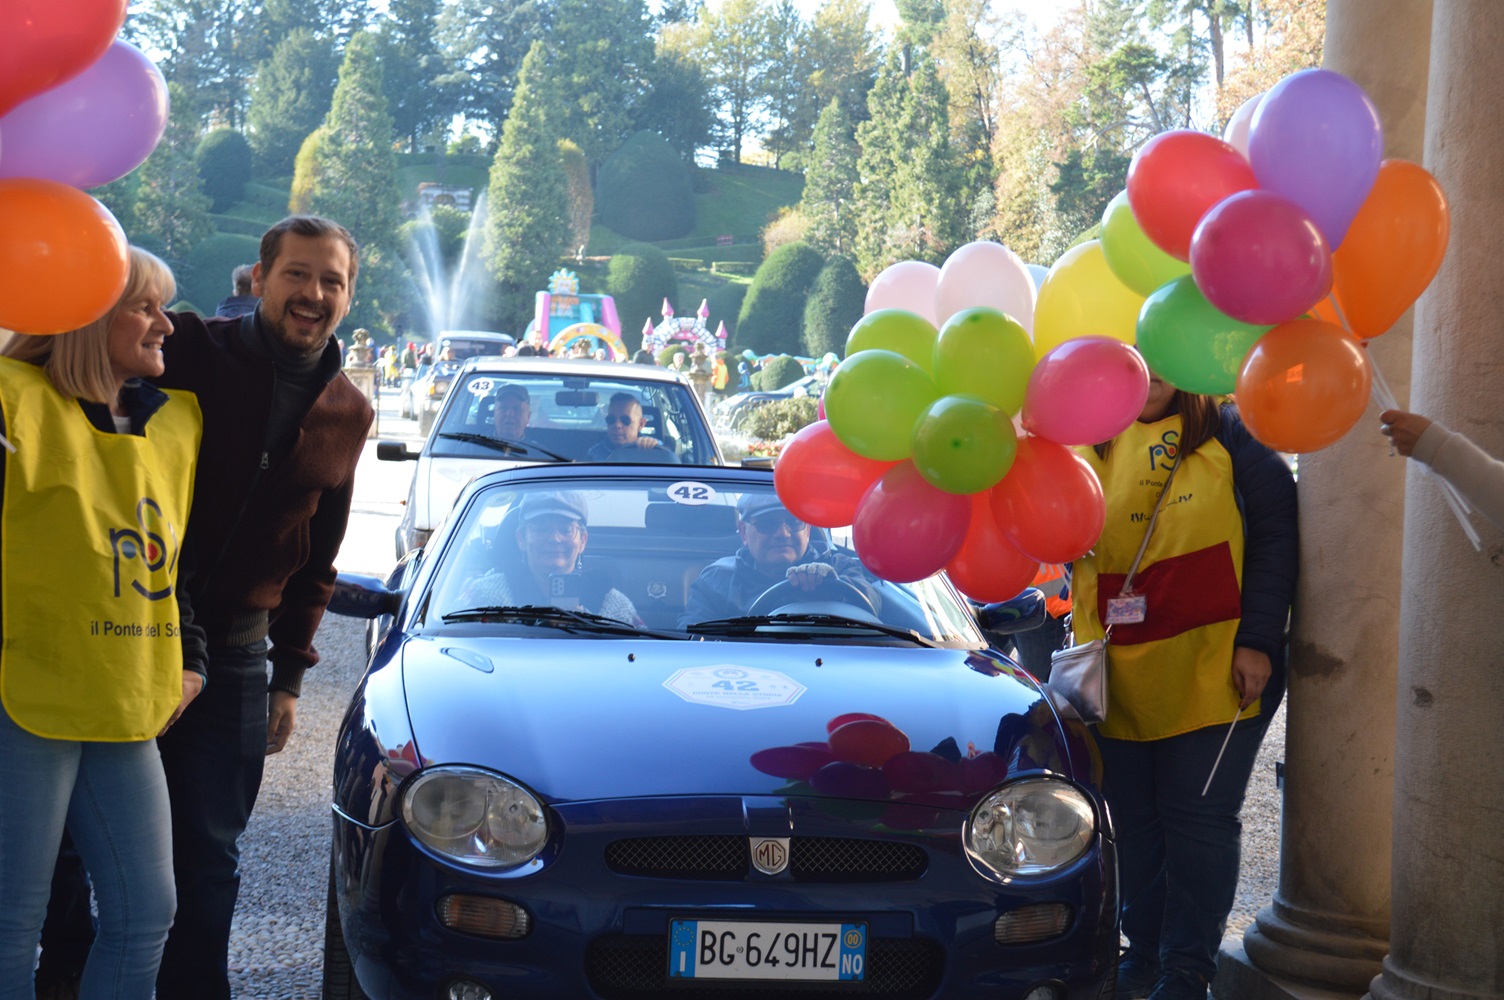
column 775, row 549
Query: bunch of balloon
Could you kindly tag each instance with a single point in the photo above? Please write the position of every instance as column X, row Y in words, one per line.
column 1269, row 255
column 78, row 109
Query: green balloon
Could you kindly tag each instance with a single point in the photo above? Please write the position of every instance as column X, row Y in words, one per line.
column 963, row 445
column 896, row 330
column 1189, row 342
column 985, row 354
column 1131, row 255
column 873, row 401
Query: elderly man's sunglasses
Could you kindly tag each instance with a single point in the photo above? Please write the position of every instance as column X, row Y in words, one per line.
column 618, row 418
column 767, row 524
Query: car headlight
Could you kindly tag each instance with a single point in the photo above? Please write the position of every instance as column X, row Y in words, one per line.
column 437, row 388
column 1030, row 827
column 475, row 817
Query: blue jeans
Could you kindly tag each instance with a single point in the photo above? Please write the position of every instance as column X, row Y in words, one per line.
column 1034, row 647
column 113, row 801
column 213, row 757
column 1178, row 853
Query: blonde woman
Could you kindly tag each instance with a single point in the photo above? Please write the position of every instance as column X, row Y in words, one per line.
column 98, row 479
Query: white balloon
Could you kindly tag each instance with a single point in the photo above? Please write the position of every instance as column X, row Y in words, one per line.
column 1038, row 272
column 1236, row 133
column 909, row 284
column 986, row 274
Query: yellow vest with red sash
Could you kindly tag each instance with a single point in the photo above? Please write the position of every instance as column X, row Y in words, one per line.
column 91, row 532
column 1172, row 672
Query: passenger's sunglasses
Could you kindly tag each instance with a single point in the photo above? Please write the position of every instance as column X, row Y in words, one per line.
column 767, row 524
column 619, row 418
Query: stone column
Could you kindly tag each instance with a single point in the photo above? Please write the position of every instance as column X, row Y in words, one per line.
column 1328, row 924
column 1447, row 932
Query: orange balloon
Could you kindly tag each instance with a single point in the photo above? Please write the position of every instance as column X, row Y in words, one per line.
column 1393, row 248
column 1303, row 385
column 1049, row 505
column 988, row 567
column 63, row 260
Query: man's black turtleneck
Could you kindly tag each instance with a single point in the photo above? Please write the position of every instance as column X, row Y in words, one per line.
column 299, row 381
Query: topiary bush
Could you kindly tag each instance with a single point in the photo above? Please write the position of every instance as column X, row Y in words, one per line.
column 205, row 278
column 224, row 165
column 639, row 277
column 725, row 305
column 780, row 418
column 666, row 356
column 777, row 373
column 644, row 190
column 773, row 313
column 835, row 304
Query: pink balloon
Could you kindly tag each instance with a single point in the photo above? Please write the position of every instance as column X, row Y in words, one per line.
column 905, row 529
column 1236, row 133
column 1259, row 258
column 1085, row 391
column 909, row 284
column 93, row 129
column 986, row 274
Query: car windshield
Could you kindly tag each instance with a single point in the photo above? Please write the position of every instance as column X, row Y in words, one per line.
column 566, row 418
column 687, row 557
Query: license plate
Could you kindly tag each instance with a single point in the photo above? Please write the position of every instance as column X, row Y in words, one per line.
column 756, row 949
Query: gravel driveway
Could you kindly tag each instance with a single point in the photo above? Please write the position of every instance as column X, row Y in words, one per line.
column 277, row 949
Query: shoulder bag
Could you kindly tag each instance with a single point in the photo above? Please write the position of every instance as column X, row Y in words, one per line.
column 1078, row 674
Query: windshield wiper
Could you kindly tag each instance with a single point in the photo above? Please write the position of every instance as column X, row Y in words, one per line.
column 502, row 444
column 547, row 614
column 748, row 624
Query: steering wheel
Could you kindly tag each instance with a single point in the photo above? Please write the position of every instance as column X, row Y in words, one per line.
column 661, row 455
column 840, row 597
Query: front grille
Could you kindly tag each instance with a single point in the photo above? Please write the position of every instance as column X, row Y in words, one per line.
column 680, row 857
column 636, row 968
column 725, row 858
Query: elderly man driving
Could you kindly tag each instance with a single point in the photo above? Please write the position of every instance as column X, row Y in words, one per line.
column 775, row 548
column 624, row 430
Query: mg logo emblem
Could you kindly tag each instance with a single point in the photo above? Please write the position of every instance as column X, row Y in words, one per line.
column 770, row 855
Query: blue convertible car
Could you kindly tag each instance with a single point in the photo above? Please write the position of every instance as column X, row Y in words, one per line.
column 602, row 752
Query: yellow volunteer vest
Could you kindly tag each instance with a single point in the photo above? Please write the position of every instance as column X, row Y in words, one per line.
column 1171, row 673
column 91, row 532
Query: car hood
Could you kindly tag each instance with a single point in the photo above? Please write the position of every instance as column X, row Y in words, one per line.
column 581, row 719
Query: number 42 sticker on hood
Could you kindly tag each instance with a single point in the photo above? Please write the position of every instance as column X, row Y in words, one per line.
column 729, row 686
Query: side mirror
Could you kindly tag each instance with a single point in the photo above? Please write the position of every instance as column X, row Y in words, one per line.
column 359, row 596
column 394, row 451
column 1017, row 614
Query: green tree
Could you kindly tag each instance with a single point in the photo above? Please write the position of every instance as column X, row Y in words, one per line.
column 838, row 62
column 203, row 45
column 784, row 86
column 289, row 99
column 639, row 277
column 581, row 195
column 171, row 206
column 731, row 40
column 643, row 191
column 224, row 166
column 772, row 316
column 412, row 65
column 830, row 183
column 355, row 181
column 836, row 302
column 482, row 43
column 969, row 63
column 677, row 104
column 527, row 209
column 602, row 55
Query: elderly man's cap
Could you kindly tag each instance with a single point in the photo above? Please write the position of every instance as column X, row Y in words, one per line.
column 569, row 503
column 513, row 389
column 753, row 504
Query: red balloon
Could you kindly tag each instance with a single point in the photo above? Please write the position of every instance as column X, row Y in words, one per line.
column 988, row 567
column 868, row 741
column 1049, row 505
column 793, row 763
column 841, row 720
column 44, row 42
column 905, row 529
column 1175, row 178
column 820, row 480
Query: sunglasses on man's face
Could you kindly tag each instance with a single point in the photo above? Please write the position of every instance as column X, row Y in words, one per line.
column 618, row 418
column 769, row 523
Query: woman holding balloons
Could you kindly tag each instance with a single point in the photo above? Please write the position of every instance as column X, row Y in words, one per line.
column 1196, row 657
column 99, row 656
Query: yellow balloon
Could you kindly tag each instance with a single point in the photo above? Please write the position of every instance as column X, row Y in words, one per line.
column 1081, row 297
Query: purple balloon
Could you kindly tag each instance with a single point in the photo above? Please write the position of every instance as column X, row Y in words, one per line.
column 93, row 129
column 1260, row 258
column 1316, row 138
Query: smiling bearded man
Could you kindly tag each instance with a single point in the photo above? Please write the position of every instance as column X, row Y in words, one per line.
column 283, row 430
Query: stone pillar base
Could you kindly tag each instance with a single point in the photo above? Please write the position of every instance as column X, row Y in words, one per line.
column 1239, row 979
column 1395, row 984
column 1287, row 946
